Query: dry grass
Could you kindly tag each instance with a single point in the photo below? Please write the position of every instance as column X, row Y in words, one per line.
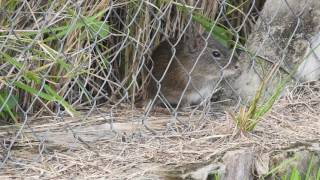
column 85, row 53
column 86, row 149
column 67, row 58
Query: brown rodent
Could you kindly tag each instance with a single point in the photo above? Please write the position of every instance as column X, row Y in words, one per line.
column 177, row 78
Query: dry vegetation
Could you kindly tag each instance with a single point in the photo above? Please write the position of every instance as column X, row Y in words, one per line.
column 90, row 149
column 61, row 55
column 60, row 59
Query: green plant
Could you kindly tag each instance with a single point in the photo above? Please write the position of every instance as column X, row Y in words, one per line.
column 37, row 74
column 213, row 176
column 250, row 115
column 8, row 103
column 295, row 174
column 219, row 32
column 286, row 170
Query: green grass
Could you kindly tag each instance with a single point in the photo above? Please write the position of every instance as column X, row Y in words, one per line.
column 250, row 115
column 8, row 104
column 290, row 173
column 293, row 173
column 46, row 66
column 219, row 32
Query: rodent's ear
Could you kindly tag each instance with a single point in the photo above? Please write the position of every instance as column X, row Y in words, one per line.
column 194, row 39
column 196, row 43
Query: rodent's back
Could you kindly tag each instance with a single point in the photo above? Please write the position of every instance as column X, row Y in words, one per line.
column 166, row 69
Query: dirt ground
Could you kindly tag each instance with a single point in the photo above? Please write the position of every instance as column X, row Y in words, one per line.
column 115, row 145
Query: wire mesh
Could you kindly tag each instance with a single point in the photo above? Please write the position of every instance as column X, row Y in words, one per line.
column 111, row 69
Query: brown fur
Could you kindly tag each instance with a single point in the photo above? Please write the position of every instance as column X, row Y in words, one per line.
column 176, row 65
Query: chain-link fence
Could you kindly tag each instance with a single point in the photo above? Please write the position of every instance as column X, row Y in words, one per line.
column 78, row 72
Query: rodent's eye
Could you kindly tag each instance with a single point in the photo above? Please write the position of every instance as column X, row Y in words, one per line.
column 216, row 54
